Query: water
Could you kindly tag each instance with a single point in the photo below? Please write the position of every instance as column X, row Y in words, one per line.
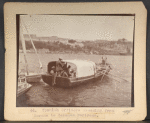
column 111, row 91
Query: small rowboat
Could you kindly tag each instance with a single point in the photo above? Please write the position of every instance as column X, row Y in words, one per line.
column 84, row 71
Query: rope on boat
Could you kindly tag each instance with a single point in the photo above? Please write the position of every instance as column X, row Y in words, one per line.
column 33, row 46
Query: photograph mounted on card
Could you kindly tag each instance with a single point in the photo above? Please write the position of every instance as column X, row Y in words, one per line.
column 66, row 64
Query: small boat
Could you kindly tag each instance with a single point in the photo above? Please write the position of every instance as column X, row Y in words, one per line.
column 30, row 77
column 33, row 78
column 23, row 86
column 25, row 79
column 83, row 72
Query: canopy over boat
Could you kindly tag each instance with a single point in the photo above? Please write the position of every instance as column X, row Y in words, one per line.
column 83, row 68
column 81, row 71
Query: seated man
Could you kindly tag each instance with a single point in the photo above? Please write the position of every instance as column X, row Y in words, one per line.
column 73, row 73
column 69, row 70
column 52, row 71
column 66, row 72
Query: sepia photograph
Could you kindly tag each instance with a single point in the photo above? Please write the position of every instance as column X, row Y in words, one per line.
column 75, row 60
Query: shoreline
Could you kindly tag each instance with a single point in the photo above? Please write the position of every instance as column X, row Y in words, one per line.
column 117, row 54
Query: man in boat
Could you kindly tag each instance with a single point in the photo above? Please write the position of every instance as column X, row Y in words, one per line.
column 60, row 66
column 102, row 66
column 104, row 60
column 53, row 70
column 59, row 69
column 67, row 72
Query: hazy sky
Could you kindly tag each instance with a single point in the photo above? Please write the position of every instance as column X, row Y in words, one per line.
column 80, row 27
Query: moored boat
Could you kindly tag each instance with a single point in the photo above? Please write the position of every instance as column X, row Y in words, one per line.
column 24, row 77
column 82, row 72
column 33, row 78
column 30, row 77
column 23, row 86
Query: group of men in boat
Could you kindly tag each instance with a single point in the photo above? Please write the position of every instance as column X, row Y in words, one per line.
column 61, row 69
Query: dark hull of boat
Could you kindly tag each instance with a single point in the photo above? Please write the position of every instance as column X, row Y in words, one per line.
column 69, row 82
column 33, row 78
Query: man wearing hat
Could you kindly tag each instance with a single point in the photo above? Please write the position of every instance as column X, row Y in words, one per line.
column 59, row 69
column 59, row 65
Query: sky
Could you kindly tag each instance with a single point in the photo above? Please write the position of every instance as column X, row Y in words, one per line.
column 80, row 27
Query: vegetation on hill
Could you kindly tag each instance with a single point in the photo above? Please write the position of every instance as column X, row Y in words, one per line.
column 88, row 47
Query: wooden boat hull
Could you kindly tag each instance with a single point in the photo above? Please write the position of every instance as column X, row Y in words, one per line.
column 69, row 82
column 88, row 69
column 33, row 78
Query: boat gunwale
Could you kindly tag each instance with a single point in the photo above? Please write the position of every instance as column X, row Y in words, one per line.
column 76, row 79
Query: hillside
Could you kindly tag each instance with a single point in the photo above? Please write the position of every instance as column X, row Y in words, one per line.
column 55, row 44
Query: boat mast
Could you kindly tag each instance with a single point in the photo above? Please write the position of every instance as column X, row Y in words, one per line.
column 23, row 46
column 33, row 45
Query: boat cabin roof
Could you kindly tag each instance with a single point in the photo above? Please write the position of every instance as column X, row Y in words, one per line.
column 83, row 67
column 79, row 63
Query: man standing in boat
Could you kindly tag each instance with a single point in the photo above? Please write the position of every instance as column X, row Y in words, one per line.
column 59, row 69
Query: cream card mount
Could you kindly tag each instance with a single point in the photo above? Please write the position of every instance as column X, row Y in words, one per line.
column 75, row 61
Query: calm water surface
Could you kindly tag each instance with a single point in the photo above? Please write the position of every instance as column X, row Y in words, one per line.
column 113, row 91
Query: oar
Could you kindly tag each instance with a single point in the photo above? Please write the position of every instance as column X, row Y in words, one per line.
column 103, row 75
column 121, row 74
column 118, row 77
column 105, row 71
column 113, row 78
